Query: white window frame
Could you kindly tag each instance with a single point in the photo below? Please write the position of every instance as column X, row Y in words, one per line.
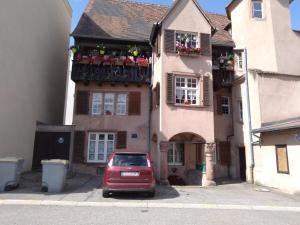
column 110, row 104
column 187, row 33
column 121, row 103
column 174, row 163
column 186, row 89
column 254, row 10
column 94, row 103
column 225, row 105
column 96, row 160
column 240, row 61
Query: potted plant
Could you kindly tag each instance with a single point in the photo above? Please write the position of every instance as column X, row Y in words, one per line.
column 74, row 49
column 101, row 49
column 134, row 51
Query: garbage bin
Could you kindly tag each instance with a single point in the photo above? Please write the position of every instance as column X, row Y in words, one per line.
column 54, row 175
column 10, row 172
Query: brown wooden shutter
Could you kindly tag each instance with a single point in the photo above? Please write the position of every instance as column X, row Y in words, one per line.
column 82, row 103
column 134, row 107
column 170, row 88
column 159, row 43
column 224, row 151
column 157, row 94
column 205, row 44
column 206, row 91
column 79, row 144
column 170, row 41
column 219, row 104
column 121, row 139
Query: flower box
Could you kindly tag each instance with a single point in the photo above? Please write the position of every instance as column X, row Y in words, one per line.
column 188, row 51
column 85, row 60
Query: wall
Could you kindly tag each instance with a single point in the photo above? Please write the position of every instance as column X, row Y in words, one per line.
column 266, row 167
column 185, row 17
column 132, row 124
column 33, row 67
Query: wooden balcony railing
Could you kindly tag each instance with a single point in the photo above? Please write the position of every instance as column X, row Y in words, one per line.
column 111, row 73
column 222, row 78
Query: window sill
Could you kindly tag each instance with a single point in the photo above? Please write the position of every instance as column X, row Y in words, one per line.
column 189, row 106
column 188, row 54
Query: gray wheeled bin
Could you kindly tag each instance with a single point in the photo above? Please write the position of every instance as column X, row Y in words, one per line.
column 10, row 172
column 54, row 175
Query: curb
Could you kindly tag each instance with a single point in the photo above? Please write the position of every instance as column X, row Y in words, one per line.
column 148, row 204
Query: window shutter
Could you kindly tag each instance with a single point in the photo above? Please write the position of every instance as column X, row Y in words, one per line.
column 82, row 103
column 169, row 41
column 219, row 104
column 170, row 88
column 157, row 94
column 134, row 103
column 79, row 144
column 206, row 91
column 224, row 151
column 205, row 44
column 159, row 43
column 121, row 139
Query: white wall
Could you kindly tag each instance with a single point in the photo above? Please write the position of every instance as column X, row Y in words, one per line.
column 34, row 43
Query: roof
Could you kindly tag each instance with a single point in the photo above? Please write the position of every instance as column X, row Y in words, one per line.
column 126, row 20
column 278, row 126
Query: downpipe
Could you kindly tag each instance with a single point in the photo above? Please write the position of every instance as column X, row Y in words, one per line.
column 252, row 165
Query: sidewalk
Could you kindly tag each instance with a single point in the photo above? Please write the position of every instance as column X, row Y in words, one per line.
column 84, row 190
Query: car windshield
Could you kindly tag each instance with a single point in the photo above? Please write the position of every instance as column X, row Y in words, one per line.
column 130, row 160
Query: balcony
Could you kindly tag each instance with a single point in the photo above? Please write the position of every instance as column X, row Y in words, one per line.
column 222, row 78
column 102, row 73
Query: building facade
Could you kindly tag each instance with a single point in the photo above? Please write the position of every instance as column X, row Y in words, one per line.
column 266, row 91
column 33, row 67
column 144, row 78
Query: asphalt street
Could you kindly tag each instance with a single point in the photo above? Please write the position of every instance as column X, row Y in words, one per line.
column 69, row 215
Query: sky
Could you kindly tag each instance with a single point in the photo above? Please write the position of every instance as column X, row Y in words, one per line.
column 217, row 6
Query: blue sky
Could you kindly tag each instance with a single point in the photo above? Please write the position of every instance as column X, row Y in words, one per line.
column 217, row 6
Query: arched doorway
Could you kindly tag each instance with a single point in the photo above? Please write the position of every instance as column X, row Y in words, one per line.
column 186, row 161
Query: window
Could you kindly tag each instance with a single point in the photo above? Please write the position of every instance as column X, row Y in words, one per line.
column 100, row 146
column 188, row 40
column 240, row 103
column 109, row 104
column 97, row 104
column 121, row 104
column 225, row 105
column 240, row 60
column 257, row 9
column 186, row 91
column 130, row 160
column 282, row 159
column 176, row 154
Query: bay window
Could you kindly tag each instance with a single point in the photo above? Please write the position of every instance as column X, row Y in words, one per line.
column 186, row 91
column 100, row 146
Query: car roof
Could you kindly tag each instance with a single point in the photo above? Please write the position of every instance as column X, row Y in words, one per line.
column 130, row 152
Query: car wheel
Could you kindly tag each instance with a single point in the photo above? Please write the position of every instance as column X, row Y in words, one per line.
column 151, row 194
column 105, row 194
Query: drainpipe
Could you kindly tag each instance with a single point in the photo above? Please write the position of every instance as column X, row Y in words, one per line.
column 249, row 118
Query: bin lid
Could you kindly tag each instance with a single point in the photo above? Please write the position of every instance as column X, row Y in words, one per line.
column 11, row 159
column 55, row 161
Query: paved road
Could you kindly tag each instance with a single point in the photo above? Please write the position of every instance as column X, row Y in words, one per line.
column 69, row 215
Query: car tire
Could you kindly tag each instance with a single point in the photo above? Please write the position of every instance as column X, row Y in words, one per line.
column 105, row 194
column 151, row 194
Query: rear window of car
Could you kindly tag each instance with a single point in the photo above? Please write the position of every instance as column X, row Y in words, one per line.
column 130, row 160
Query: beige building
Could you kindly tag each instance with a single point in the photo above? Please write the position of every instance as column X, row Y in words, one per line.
column 266, row 92
column 33, row 67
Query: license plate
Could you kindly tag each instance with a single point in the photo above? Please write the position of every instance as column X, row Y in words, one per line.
column 130, row 174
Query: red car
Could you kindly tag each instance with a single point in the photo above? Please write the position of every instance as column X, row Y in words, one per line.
column 129, row 172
